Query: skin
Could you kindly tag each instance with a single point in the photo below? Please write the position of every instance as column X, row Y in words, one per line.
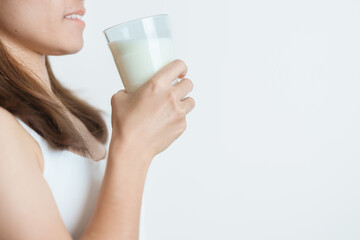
column 20, row 32
column 35, row 28
column 144, row 124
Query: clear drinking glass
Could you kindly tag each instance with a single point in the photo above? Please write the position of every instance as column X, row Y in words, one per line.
column 140, row 48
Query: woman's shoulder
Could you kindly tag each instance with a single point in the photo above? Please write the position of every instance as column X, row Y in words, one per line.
column 26, row 198
column 10, row 128
column 15, row 141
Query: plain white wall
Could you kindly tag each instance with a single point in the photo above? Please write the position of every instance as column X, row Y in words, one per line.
column 272, row 148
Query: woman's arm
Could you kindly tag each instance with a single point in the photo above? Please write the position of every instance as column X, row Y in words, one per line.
column 117, row 211
column 144, row 124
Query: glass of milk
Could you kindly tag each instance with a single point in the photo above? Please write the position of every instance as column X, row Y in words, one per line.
column 140, row 48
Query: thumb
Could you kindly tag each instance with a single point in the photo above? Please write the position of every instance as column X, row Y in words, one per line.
column 122, row 91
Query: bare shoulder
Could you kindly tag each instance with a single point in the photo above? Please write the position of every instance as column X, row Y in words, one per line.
column 16, row 141
column 26, row 199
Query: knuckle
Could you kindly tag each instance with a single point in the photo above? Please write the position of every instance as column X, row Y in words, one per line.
column 154, row 86
column 181, row 112
column 181, row 63
column 189, row 83
column 192, row 102
column 172, row 97
column 183, row 125
column 175, row 103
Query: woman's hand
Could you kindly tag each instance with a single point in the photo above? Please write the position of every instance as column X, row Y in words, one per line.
column 154, row 116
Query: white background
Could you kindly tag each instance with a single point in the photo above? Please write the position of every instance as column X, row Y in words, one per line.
column 272, row 148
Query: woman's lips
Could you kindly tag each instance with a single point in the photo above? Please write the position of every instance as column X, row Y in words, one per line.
column 79, row 21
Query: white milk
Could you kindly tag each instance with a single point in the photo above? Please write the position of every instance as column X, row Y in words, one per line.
column 138, row 60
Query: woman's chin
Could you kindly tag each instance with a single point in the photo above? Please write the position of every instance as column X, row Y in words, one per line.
column 69, row 49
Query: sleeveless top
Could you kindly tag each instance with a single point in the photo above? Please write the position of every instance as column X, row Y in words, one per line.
column 74, row 181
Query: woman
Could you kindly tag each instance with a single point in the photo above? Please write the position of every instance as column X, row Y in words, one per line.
column 43, row 122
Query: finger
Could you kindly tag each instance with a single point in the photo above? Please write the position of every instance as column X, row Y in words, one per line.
column 121, row 92
column 188, row 103
column 182, row 88
column 173, row 70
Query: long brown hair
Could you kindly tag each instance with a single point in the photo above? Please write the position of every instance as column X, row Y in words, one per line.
column 23, row 96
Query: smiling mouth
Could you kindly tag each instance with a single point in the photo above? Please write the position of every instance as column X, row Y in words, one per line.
column 75, row 18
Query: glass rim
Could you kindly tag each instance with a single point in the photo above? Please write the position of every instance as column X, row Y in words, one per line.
column 134, row 20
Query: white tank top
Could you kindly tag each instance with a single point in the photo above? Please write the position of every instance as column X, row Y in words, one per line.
column 74, row 181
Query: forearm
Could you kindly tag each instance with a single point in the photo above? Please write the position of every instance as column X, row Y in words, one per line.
column 117, row 211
